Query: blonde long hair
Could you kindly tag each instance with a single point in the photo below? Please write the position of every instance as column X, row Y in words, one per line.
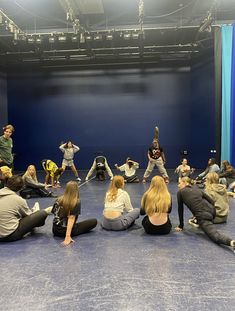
column 117, row 183
column 211, row 178
column 70, row 198
column 157, row 198
column 27, row 174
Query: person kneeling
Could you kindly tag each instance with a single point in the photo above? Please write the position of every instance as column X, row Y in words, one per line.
column 156, row 203
column 117, row 201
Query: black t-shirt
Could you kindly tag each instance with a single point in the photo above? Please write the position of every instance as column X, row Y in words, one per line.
column 60, row 218
column 100, row 163
column 155, row 152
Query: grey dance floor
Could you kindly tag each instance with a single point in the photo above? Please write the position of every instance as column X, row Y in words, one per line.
column 118, row 271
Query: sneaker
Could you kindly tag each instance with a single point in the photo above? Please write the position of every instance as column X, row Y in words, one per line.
column 233, row 245
column 36, row 207
column 48, row 210
column 144, row 180
column 193, row 222
column 78, row 179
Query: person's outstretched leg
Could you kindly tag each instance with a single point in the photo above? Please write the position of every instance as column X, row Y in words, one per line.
column 84, row 226
column 210, row 230
column 27, row 224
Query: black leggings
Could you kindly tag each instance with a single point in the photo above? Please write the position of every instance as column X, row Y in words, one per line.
column 26, row 225
column 78, row 228
column 154, row 229
column 28, row 192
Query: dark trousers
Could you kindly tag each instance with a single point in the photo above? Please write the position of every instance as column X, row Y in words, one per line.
column 78, row 228
column 26, row 225
column 34, row 192
column 130, row 179
column 154, row 229
column 205, row 221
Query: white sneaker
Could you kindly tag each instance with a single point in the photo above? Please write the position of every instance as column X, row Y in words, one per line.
column 193, row 222
column 48, row 209
column 78, row 179
column 36, row 207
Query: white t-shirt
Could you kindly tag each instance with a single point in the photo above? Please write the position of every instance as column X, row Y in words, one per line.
column 129, row 171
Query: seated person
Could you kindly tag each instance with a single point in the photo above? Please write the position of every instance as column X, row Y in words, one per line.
column 118, row 212
column 227, row 173
column 211, row 167
column 156, row 203
column 100, row 165
column 33, row 188
column 129, row 168
column 5, row 173
column 66, row 210
column 219, row 195
column 16, row 218
column 183, row 170
column 52, row 171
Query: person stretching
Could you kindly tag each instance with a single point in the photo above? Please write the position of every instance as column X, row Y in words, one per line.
column 69, row 149
column 201, row 206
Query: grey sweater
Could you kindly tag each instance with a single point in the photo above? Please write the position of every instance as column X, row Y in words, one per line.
column 12, row 209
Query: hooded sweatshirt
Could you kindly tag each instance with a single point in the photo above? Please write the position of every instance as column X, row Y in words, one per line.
column 12, row 209
column 219, row 194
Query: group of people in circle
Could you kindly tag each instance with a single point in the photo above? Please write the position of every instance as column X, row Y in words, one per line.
column 209, row 206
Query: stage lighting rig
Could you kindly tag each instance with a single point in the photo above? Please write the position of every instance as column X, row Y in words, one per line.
column 206, row 23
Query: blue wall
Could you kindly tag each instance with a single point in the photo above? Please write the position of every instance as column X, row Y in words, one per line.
column 113, row 111
column 203, row 134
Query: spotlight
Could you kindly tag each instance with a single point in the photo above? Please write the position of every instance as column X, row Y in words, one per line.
column 39, row 40
column 62, row 38
column 74, row 39
column 109, row 37
column 127, row 36
column 51, row 39
column 82, row 38
column 98, row 37
column 135, row 35
column 88, row 37
column 31, row 40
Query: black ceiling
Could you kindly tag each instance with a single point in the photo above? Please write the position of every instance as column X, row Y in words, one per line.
column 170, row 31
